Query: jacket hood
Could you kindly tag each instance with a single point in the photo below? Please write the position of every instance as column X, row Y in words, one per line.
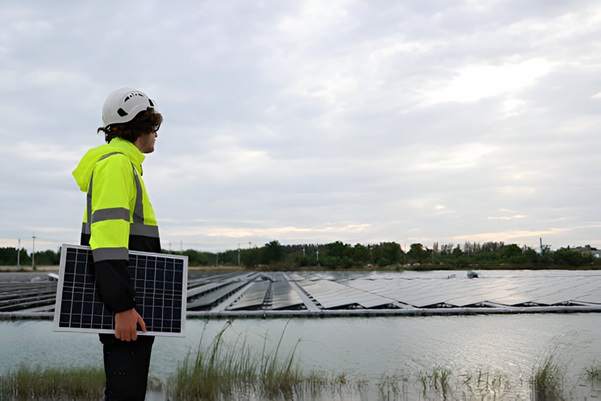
column 83, row 171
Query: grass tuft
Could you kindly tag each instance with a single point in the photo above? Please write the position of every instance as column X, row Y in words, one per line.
column 593, row 373
column 220, row 370
column 33, row 383
column 438, row 380
column 547, row 380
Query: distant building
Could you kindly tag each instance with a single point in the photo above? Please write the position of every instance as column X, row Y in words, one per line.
column 588, row 250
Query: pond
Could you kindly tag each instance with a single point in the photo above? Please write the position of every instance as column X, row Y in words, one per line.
column 364, row 349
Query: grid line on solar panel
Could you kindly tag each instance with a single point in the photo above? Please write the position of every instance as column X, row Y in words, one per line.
column 160, row 286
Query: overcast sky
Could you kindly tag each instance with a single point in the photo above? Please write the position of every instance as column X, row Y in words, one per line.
column 310, row 122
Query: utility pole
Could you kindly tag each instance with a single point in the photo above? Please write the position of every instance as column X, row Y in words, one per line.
column 33, row 254
column 19, row 255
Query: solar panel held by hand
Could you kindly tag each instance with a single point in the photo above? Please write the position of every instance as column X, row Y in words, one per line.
column 159, row 280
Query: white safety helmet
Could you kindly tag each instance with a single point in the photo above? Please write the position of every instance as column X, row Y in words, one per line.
column 122, row 105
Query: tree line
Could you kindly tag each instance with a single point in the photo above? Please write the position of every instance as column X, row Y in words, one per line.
column 274, row 255
column 12, row 257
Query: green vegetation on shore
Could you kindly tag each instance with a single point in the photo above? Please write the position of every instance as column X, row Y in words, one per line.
column 390, row 255
column 57, row 383
column 385, row 255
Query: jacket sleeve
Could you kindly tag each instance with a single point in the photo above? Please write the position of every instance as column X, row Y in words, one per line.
column 112, row 189
column 113, row 284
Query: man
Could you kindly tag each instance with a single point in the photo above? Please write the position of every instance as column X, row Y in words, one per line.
column 119, row 217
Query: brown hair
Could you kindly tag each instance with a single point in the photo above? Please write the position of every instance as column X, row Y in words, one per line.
column 145, row 122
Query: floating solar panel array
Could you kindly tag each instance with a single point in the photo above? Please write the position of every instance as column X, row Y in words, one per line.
column 243, row 292
column 35, row 297
column 251, row 294
column 341, row 294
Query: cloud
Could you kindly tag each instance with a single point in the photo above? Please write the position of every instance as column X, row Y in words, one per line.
column 456, row 158
column 519, row 236
column 314, row 121
column 479, row 81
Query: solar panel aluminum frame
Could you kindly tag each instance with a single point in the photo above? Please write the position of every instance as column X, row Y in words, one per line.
column 161, row 297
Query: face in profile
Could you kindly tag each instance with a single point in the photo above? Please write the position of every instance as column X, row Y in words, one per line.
column 145, row 142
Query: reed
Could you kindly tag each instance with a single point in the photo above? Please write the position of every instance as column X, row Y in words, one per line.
column 484, row 384
column 221, row 370
column 437, row 380
column 392, row 386
column 593, row 373
column 35, row 383
column 547, row 380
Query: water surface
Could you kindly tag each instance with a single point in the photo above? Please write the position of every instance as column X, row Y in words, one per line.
column 365, row 348
column 368, row 348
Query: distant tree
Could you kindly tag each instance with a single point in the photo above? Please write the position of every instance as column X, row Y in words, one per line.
column 457, row 252
column 510, row 251
column 196, row 258
column 492, row 246
column 47, row 258
column 272, row 252
column 446, row 249
column 417, row 253
column 305, row 260
column 11, row 256
column 338, row 249
column 532, row 256
column 567, row 256
column 392, row 252
column 230, row 257
column 250, row 257
column 8, row 256
column 361, row 254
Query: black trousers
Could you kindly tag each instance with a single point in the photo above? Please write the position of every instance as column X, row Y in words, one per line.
column 126, row 365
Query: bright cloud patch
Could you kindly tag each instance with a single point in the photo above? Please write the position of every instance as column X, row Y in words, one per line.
column 478, row 81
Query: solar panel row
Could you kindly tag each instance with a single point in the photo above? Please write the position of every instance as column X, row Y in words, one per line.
column 242, row 294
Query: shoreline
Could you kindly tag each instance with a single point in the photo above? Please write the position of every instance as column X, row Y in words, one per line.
column 370, row 268
column 55, row 269
column 29, row 269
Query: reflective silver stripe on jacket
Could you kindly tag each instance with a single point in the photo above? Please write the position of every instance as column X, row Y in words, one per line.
column 101, row 254
column 139, row 207
column 144, row 230
column 117, row 213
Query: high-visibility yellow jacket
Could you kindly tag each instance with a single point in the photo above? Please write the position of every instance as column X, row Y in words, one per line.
column 118, row 216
